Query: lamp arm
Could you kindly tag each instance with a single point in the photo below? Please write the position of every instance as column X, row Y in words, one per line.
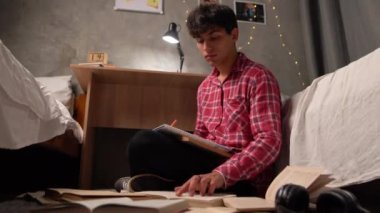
column 181, row 56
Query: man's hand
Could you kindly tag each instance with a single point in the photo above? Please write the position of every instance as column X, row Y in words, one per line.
column 205, row 183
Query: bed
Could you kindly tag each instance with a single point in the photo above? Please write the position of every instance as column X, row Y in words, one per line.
column 33, row 110
column 36, row 127
column 335, row 124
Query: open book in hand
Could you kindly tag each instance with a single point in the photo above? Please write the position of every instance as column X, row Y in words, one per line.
column 312, row 179
column 196, row 140
column 119, row 204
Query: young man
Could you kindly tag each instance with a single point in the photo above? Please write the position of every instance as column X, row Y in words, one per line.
column 238, row 106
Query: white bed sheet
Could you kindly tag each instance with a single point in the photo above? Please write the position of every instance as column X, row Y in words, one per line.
column 28, row 113
column 335, row 123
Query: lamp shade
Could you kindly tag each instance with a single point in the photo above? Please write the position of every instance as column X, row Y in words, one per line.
column 171, row 35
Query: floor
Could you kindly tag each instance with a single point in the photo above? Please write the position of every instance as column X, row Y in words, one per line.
column 35, row 168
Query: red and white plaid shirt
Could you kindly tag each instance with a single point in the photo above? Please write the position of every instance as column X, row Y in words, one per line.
column 243, row 112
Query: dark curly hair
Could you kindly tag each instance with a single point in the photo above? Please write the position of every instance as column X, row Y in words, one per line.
column 207, row 16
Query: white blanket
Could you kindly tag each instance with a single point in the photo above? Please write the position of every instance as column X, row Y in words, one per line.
column 28, row 113
column 335, row 123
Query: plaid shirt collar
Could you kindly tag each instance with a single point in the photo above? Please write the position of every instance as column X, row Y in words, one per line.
column 236, row 67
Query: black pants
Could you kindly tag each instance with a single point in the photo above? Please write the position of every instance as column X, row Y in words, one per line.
column 164, row 155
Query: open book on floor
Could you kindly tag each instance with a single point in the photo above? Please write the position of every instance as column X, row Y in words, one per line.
column 312, row 179
column 196, row 140
column 194, row 201
column 67, row 194
column 119, row 204
column 73, row 195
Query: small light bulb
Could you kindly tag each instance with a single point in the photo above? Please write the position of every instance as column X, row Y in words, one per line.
column 274, row 8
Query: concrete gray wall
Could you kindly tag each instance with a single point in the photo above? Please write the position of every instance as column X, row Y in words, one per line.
column 48, row 35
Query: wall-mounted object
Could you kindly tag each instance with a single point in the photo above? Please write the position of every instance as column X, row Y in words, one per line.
column 209, row 1
column 97, row 57
column 249, row 11
column 149, row 6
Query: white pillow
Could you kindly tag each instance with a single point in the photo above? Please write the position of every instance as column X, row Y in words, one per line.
column 60, row 88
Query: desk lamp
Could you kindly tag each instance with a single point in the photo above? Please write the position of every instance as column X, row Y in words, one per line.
column 171, row 36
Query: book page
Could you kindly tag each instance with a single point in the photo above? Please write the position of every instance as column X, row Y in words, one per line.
column 196, row 140
column 322, row 181
column 196, row 200
column 303, row 176
column 95, row 204
column 248, row 204
column 79, row 194
column 219, row 209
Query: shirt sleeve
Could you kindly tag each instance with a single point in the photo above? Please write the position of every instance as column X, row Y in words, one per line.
column 265, row 122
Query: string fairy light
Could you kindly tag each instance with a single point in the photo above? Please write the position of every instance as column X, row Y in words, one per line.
column 250, row 38
column 187, row 9
column 284, row 43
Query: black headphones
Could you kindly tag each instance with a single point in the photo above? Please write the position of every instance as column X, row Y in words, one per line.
column 291, row 198
column 338, row 201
